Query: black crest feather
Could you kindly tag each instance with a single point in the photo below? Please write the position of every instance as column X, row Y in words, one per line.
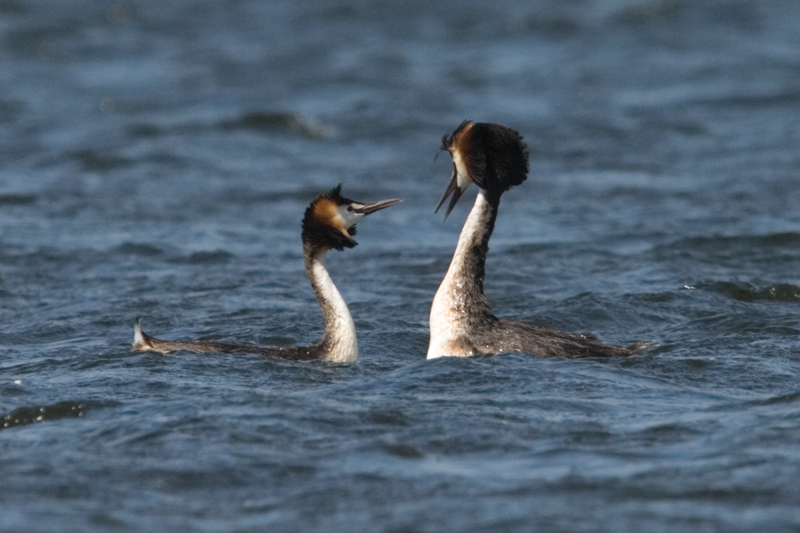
column 447, row 140
column 323, row 235
column 497, row 157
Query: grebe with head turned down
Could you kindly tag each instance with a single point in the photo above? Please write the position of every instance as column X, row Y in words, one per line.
column 461, row 322
column 329, row 222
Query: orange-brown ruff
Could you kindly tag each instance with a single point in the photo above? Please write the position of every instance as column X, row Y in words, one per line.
column 329, row 222
column 462, row 324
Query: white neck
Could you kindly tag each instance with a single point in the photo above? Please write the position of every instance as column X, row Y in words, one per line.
column 461, row 291
column 339, row 339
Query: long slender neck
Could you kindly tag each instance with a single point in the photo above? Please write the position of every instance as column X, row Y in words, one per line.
column 460, row 305
column 469, row 260
column 339, row 340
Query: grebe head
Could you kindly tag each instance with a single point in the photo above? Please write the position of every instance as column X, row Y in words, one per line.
column 330, row 220
column 489, row 155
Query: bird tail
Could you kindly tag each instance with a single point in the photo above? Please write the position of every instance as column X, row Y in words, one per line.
column 141, row 340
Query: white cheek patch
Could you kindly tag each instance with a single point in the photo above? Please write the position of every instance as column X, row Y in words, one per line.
column 462, row 176
column 349, row 218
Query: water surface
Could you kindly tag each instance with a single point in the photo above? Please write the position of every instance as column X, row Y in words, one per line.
column 157, row 158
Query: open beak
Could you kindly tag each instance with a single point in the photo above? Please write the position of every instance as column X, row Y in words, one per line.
column 455, row 190
column 368, row 209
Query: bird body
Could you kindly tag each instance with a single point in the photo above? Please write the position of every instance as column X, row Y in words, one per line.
column 462, row 323
column 329, row 223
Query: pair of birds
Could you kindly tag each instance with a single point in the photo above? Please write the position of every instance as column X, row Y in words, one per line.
column 462, row 324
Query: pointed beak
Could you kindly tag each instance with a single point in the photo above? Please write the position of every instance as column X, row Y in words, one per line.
column 455, row 190
column 368, row 209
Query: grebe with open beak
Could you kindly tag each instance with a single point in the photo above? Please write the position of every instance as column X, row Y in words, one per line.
column 461, row 322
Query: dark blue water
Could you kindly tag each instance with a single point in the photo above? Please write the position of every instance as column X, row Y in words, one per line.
column 156, row 159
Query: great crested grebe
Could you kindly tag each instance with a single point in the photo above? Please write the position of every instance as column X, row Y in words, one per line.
column 329, row 222
column 462, row 323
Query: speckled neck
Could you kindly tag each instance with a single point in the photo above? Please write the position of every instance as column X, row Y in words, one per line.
column 469, row 260
column 460, row 301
